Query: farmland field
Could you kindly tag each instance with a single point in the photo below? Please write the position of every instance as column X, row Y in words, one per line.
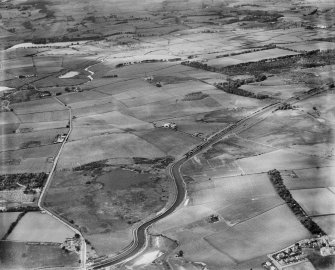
column 318, row 201
column 135, row 86
column 15, row 255
column 41, row 228
column 6, row 220
column 249, row 57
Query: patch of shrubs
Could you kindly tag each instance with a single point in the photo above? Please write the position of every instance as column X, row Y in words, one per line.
column 285, row 194
column 159, row 163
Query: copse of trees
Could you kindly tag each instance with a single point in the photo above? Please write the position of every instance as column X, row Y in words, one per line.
column 29, row 180
column 232, row 87
column 274, row 65
column 285, row 194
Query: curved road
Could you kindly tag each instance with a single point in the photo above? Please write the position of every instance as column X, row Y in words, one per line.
column 140, row 232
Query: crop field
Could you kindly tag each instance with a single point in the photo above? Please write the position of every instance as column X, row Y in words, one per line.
column 6, row 219
column 15, row 255
column 37, row 227
column 317, row 201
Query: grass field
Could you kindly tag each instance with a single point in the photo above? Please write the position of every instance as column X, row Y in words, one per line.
column 106, row 200
column 47, row 116
column 309, row 178
column 37, row 227
column 249, row 57
column 29, row 140
column 117, row 145
column 19, row 255
column 6, row 219
column 259, row 235
column 318, row 201
column 327, row 223
column 37, row 106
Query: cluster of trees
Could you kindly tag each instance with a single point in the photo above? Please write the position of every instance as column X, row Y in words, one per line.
column 285, row 194
column 29, row 180
column 286, row 106
column 232, row 87
column 265, row 47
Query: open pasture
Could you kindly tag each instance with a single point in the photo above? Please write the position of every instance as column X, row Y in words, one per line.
column 316, row 201
column 35, row 152
column 309, row 178
column 327, row 223
column 172, row 108
column 104, row 147
column 37, row 227
column 6, row 219
column 28, row 140
column 29, row 165
column 220, row 159
column 142, row 70
column 9, row 122
column 287, row 128
column 41, row 105
column 170, row 142
column 47, row 116
column 95, row 107
column 112, row 119
column 309, row 46
column 250, row 57
column 324, row 104
column 193, row 124
column 280, row 160
column 279, row 91
column 19, row 255
column 38, row 126
column 73, row 98
column 200, row 250
column 259, row 235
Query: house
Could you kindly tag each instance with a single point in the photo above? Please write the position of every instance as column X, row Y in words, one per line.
column 170, row 125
